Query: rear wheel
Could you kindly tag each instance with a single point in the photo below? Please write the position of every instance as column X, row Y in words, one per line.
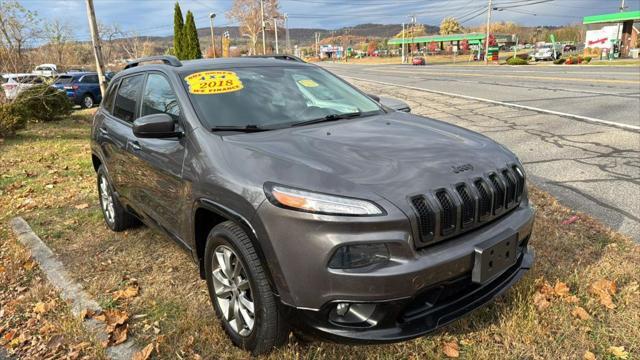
column 240, row 292
column 87, row 101
column 115, row 215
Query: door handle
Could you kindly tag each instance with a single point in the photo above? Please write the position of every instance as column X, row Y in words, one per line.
column 103, row 131
column 134, row 145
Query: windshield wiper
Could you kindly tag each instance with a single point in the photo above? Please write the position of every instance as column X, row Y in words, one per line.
column 245, row 128
column 332, row 117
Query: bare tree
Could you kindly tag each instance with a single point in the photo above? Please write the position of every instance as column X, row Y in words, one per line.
column 109, row 33
column 58, row 35
column 18, row 28
column 247, row 13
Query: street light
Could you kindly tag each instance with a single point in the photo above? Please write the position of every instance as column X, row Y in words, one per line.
column 213, row 37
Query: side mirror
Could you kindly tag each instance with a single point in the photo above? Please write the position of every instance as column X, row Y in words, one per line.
column 374, row 97
column 155, row 126
column 395, row 104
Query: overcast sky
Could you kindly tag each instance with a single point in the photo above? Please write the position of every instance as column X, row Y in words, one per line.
column 155, row 17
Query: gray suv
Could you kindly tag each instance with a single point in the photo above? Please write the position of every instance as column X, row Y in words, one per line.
column 308, row 204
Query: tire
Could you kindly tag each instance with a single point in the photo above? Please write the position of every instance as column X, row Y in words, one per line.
column 87, row 101
column 115, row 215
column 269, row 328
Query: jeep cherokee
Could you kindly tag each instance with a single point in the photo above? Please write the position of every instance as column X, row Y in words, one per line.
column 307, row 203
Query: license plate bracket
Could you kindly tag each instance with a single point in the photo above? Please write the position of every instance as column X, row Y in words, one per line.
column 493, row 257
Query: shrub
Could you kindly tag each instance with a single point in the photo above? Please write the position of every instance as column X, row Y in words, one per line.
column 587, row 59
column 517, row 61
column 43, row 103
column 559, row 61
column 11, row 119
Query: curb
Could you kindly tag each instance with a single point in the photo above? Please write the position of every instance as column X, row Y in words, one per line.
column 70, row 290
column 517, row 106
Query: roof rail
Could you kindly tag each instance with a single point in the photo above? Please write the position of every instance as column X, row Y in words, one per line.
column 167, row 59
column 278, row 57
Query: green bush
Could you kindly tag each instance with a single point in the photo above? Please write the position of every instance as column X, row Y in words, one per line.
column 559, row 61
column 517, row 61
column 11, row 119
column 587, row 59
column 43, row 103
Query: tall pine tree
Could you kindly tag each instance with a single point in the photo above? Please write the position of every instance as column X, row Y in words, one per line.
column 178, row 30
column 190, row 37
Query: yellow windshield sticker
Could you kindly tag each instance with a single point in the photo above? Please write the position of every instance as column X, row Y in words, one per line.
column 213, row 82
column 308, row 83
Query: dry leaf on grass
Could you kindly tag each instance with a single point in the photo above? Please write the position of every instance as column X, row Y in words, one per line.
column 40, row 308
column 541, row 301
column 588, row 355
column 561, row 289
column 144, row 353
column 450, row 349
column 2, row 269
column 604, row 289
column 580, row 313
column 618, row 352
column 82, row 206
column 29, row 264
column 119, row 334
column 127, row 293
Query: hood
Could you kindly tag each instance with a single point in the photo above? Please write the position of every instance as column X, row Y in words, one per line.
column 393, row 155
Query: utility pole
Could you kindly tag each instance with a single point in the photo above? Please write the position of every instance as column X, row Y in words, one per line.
column 403, row 43
column 264, row 36
column 213, row 37
column 275, row 31
column 618, row 39
column 97, row 50
column 317, row 35
column 286, row 32
column 486, row 44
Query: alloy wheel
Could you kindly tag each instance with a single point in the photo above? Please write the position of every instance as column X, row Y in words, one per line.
column 233, row 290
column 106, row 200
column 88, row 102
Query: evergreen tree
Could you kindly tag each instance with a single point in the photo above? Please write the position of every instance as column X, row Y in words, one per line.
column 178, row 30
column 190, row 37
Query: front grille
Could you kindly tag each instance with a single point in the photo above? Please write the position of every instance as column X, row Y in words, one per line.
column 451, row 211
column 426, row 217
column 448, row 214
column 468, row 212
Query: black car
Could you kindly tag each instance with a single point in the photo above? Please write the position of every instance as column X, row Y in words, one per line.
column 306, row 202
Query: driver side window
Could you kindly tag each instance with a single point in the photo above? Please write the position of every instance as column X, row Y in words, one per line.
column 159, row 98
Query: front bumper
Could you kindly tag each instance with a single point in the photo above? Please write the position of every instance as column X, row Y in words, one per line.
column 410, row 318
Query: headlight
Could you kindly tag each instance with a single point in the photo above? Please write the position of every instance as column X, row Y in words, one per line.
column 313, row 202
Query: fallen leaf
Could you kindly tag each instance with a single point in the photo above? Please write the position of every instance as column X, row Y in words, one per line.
column 618, row 352
column 561, row 289
column 49, row 186
column 451, row 349
column 29, row 264
column 570, row 299
column 9, row 335
column 40, row 308
column 82, row 206
column 127, row 293
column 604, row 289
column 119, row 334
column 116, row 317
column 588, row 355
column 570, row 220
column 580, row 313
column 541, row 301
column 2, row 269
column 144, row 353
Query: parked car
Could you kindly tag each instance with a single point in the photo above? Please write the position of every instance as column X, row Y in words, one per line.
column 308, row 204
column 546, row 52
column 14, row 84
column 418, row 60
column 568, row 48
column 46, row 70
column 82, row 88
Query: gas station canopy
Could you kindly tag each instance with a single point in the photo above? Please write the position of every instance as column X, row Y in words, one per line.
column 612, row 18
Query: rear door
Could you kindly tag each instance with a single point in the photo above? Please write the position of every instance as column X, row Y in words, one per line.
column 116, row 128
column 159, row 188
column 89, row 85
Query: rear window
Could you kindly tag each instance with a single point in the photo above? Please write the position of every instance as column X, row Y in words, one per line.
column 65, row 79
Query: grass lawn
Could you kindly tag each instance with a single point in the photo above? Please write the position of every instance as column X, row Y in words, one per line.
column 581, row 297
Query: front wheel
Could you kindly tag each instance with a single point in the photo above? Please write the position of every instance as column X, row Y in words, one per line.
column 240, row 292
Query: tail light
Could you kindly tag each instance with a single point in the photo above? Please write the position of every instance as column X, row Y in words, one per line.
column 8, row 87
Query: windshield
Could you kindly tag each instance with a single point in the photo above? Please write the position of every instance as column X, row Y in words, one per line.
column 272, row 97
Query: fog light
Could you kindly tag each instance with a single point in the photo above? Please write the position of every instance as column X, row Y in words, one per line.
column 357, row 256
column 342, row 309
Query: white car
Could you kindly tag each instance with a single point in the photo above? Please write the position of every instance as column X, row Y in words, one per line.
column 546, row 52
column 48, row 70
column 14, row 84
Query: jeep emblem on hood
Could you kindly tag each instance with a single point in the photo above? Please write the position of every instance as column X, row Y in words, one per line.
column 461, row 168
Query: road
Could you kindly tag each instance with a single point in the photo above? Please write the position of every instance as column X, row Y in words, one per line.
column 589, row 166
column 610, row 93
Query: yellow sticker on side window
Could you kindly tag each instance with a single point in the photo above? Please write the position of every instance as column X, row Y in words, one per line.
column 213, row 82
column 308, row 83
